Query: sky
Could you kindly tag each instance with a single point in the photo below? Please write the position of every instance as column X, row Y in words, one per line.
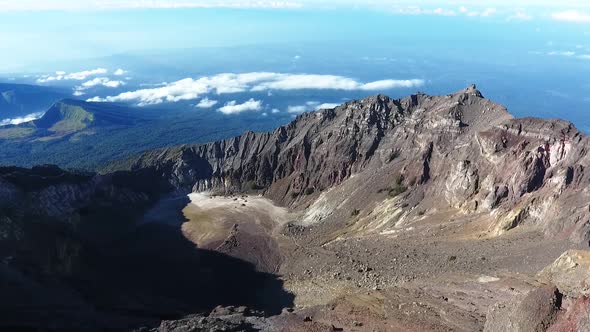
column 287, row 57
column 39, row 31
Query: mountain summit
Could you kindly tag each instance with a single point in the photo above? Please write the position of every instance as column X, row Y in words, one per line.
column 449, row 152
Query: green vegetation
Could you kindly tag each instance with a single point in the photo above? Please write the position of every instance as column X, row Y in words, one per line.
column 15, row 132
column 73, row 118
column 114, row 132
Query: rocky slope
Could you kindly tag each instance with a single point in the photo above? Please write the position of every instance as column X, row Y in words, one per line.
column 458, row 151
column 75, row 257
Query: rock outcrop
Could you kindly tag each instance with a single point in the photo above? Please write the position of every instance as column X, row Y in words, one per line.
column 560, row 304
column 461, row 151
column 534, row 312
column 570, row 272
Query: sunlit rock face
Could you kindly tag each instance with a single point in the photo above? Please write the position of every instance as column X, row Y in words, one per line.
column 462, row 150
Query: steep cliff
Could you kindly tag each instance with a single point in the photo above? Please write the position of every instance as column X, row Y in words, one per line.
column 459, row 150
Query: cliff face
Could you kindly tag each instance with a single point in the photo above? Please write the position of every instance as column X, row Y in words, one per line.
column 458, row 151
column 49, row 215
column 314, row 152
column 321, row 149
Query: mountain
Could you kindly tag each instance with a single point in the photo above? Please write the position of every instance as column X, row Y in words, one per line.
column 426, row 213
column 71, row 119
column 86, row 135
column 18, row 100
column 448, row 152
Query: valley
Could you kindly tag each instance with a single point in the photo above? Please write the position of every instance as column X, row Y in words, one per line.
column 425, row 213
column 89, row 136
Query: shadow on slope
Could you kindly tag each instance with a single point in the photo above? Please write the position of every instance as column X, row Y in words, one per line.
column 57, row 282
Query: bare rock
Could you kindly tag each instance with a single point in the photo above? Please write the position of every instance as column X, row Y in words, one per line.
column 570, row 272
column 575, row 319
column 534, row 312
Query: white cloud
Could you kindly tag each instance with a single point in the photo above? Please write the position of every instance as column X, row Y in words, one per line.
column 190, row 89
column 98, row 81
column 120, row 72
column 275, row 111
column 584, row 56
column 310, row 106
column 19, row 120
column 77, row 76
column 206, row 103
column 392, row 84
column 329, row 82
column 327, row 106
column 297, row 109
column 571, row 16
column 80, row 76
column 102, row 81
column 234, row 108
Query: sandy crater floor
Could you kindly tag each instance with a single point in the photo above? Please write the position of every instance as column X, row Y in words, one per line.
column 431, row 277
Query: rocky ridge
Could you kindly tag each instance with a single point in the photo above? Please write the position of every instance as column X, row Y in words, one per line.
column 458, row 151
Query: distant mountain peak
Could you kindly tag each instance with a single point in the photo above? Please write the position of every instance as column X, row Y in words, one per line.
column 63, row 117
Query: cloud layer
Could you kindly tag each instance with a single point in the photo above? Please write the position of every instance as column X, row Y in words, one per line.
column 77, row 76
column 19, row 120
column 310, row 106
column 98, row 81
column 102, row 81
column 206, row 103
column 191, row 89
column 234, row 108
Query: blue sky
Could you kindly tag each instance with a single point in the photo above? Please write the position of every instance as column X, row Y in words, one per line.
column 34, row 32
column 285, row 57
